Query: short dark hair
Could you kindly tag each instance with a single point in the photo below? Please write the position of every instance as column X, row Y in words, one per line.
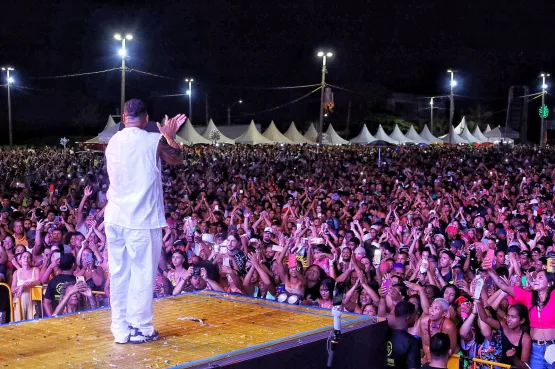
column 135, row 108
column 439, row 345
column 404, row 309
column 67, row 261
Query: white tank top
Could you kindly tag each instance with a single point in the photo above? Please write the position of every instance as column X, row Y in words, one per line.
column 135, row 195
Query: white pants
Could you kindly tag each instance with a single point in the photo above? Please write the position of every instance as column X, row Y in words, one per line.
column 133, row 256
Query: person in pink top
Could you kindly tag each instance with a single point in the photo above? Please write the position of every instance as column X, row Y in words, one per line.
column 540, row 302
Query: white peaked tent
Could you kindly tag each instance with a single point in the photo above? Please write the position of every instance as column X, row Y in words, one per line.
column 467, row 136
column 311, row 133
column 189, row 136
column 294, row 135
column 502, row 134
column 107, row 132
column 364, row 137
column 488, row 128
column 479, row 135
column 413, row 135
column 461, row 126
column 334, row 138
column 273, row 134
column 105, row 135
column 455, row 138
column 253, row 136
column 382, row 136
column 428, row 136
column 399, row 137
column 210, row 127
column 110, row 122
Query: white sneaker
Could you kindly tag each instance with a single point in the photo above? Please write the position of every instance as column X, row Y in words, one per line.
column 138, row 337
column 122, row 341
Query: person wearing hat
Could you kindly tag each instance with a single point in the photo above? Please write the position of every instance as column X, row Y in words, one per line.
column 525, row 261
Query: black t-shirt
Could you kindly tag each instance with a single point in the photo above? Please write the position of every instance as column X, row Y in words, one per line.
column 54, row 289
column 432, row 367
column 403, row 350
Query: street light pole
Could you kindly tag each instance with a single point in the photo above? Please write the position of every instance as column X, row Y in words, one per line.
column 452, row 100
column 190, row 93
column 542, row 129
column 123, row 54
column 322, row 55
column 229, row 111
column 432, row 115
column 9, row 81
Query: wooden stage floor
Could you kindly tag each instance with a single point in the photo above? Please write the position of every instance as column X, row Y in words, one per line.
column 231, row 325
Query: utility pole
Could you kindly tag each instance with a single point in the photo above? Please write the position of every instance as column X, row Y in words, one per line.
column 123, row 54
column 452, row 100
column 432, row 115
column 229, row 111
column 9, row 81
column 542, row 130
column 190, row 94
column 322, row 55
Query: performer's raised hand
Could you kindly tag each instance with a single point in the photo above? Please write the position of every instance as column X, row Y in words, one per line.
column 172, row 125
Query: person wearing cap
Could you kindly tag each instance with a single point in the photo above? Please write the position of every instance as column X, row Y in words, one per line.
column 525, row 258
column 267, row 236
column 134, row 218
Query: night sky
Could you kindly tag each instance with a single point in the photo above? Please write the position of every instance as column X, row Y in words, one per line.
column 233, row 48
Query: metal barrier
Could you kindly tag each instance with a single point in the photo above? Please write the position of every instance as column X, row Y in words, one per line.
column 36, row 296
column 37, row 293
column 11, row 300
column 457, row 362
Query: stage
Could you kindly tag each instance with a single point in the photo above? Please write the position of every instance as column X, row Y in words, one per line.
column 198, row 330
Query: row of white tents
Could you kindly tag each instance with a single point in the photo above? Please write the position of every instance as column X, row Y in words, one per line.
column 251, row 134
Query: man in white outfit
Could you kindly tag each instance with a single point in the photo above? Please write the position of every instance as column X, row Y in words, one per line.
column 134, row 218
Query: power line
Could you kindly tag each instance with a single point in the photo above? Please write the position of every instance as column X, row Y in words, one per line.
column 226, row 86
column 74, row 75
column 171, row 95
column 348, row 90
column 152, row 74
column 283, row 105
column 435, row 97
column 477, row 98
column 263, row 88
column 537, row 93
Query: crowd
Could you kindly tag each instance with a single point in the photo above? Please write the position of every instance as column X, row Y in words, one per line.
column 451, row 244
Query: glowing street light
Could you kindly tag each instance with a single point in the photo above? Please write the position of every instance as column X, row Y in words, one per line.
column 189, row 93
column 324, row 55
column 229, row 110
column 10, row 81
column 123, row 54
